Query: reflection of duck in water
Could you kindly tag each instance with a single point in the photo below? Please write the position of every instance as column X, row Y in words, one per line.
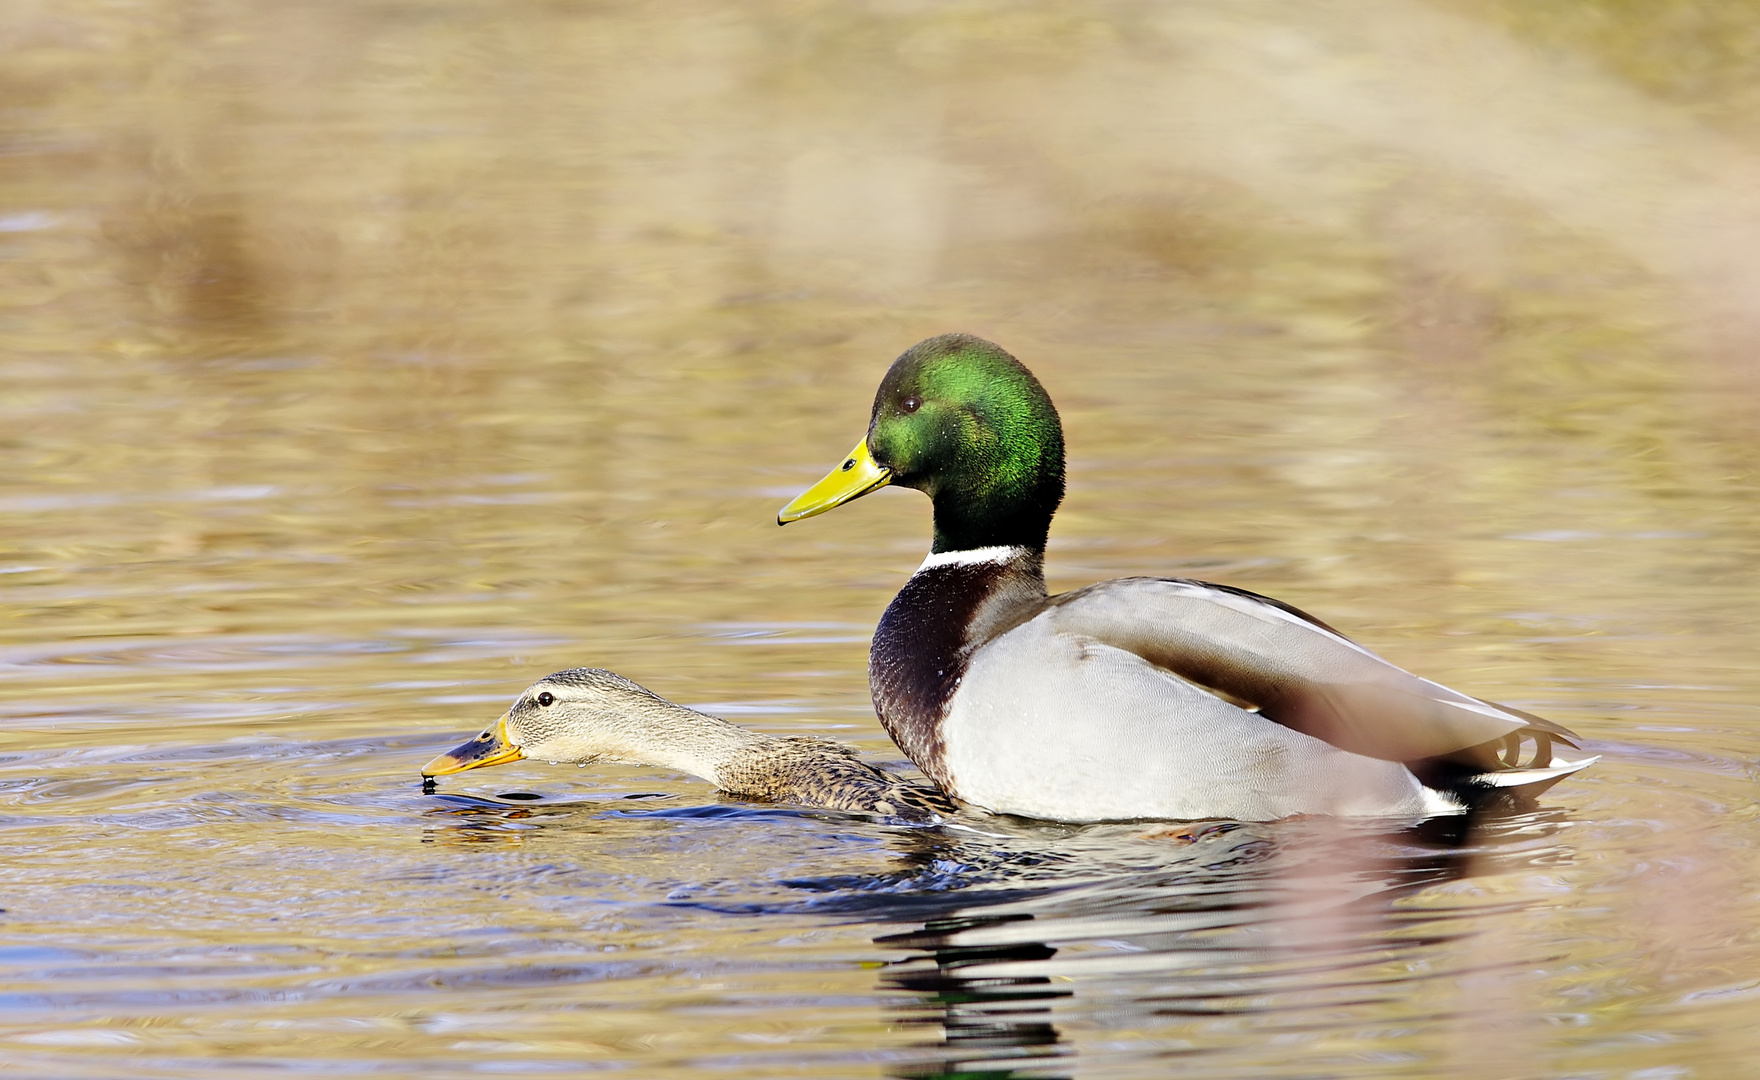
column 992, row 1025
column 584, row 715
column 1221, row 948
column 1138, row 697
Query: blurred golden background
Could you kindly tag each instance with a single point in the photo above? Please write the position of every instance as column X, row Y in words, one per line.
column 360, row 362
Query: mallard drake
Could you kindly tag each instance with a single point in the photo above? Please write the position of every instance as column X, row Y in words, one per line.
column 1139, row 697
column 584, row 715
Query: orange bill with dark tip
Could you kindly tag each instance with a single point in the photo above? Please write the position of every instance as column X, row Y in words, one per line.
column 489, row 748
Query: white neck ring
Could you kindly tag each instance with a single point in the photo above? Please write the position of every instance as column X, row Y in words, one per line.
column 972, row 556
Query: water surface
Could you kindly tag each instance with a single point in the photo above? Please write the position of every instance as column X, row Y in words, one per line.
column 361, row 363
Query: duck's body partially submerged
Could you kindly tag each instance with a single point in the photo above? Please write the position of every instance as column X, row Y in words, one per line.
column 587, row 714
column 1138, row 697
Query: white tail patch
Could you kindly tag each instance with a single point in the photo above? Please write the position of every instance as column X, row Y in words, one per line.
column 1535, row 780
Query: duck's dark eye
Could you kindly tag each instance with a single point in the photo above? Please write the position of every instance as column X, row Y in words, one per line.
column 545, row 699
column 911, row 404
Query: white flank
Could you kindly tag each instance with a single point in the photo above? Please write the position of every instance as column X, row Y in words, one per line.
column 971, row 556
column 1061, row 726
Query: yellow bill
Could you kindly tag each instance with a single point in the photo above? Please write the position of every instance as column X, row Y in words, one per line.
column 858, row 475
column 489, row 748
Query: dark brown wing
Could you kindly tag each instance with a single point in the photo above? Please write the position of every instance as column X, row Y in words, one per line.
column 1297, row 670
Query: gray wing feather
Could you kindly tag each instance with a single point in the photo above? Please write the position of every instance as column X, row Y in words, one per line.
column 1295, row 669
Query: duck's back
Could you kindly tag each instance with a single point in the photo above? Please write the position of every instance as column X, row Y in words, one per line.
column 1010, row 700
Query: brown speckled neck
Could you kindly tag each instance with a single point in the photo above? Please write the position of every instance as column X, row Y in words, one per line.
column 818, row 772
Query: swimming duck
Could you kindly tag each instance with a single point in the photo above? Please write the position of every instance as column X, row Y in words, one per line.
column 1139, row 697
column 584, row 715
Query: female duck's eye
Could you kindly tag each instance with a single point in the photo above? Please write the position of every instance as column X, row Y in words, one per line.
column 546, row 698
column 911, row 404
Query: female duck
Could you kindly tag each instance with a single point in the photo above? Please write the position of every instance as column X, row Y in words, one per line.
column 584, row 715
column 1137, row 697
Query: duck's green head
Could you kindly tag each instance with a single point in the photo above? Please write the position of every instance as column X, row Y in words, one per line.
column 967, row 424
